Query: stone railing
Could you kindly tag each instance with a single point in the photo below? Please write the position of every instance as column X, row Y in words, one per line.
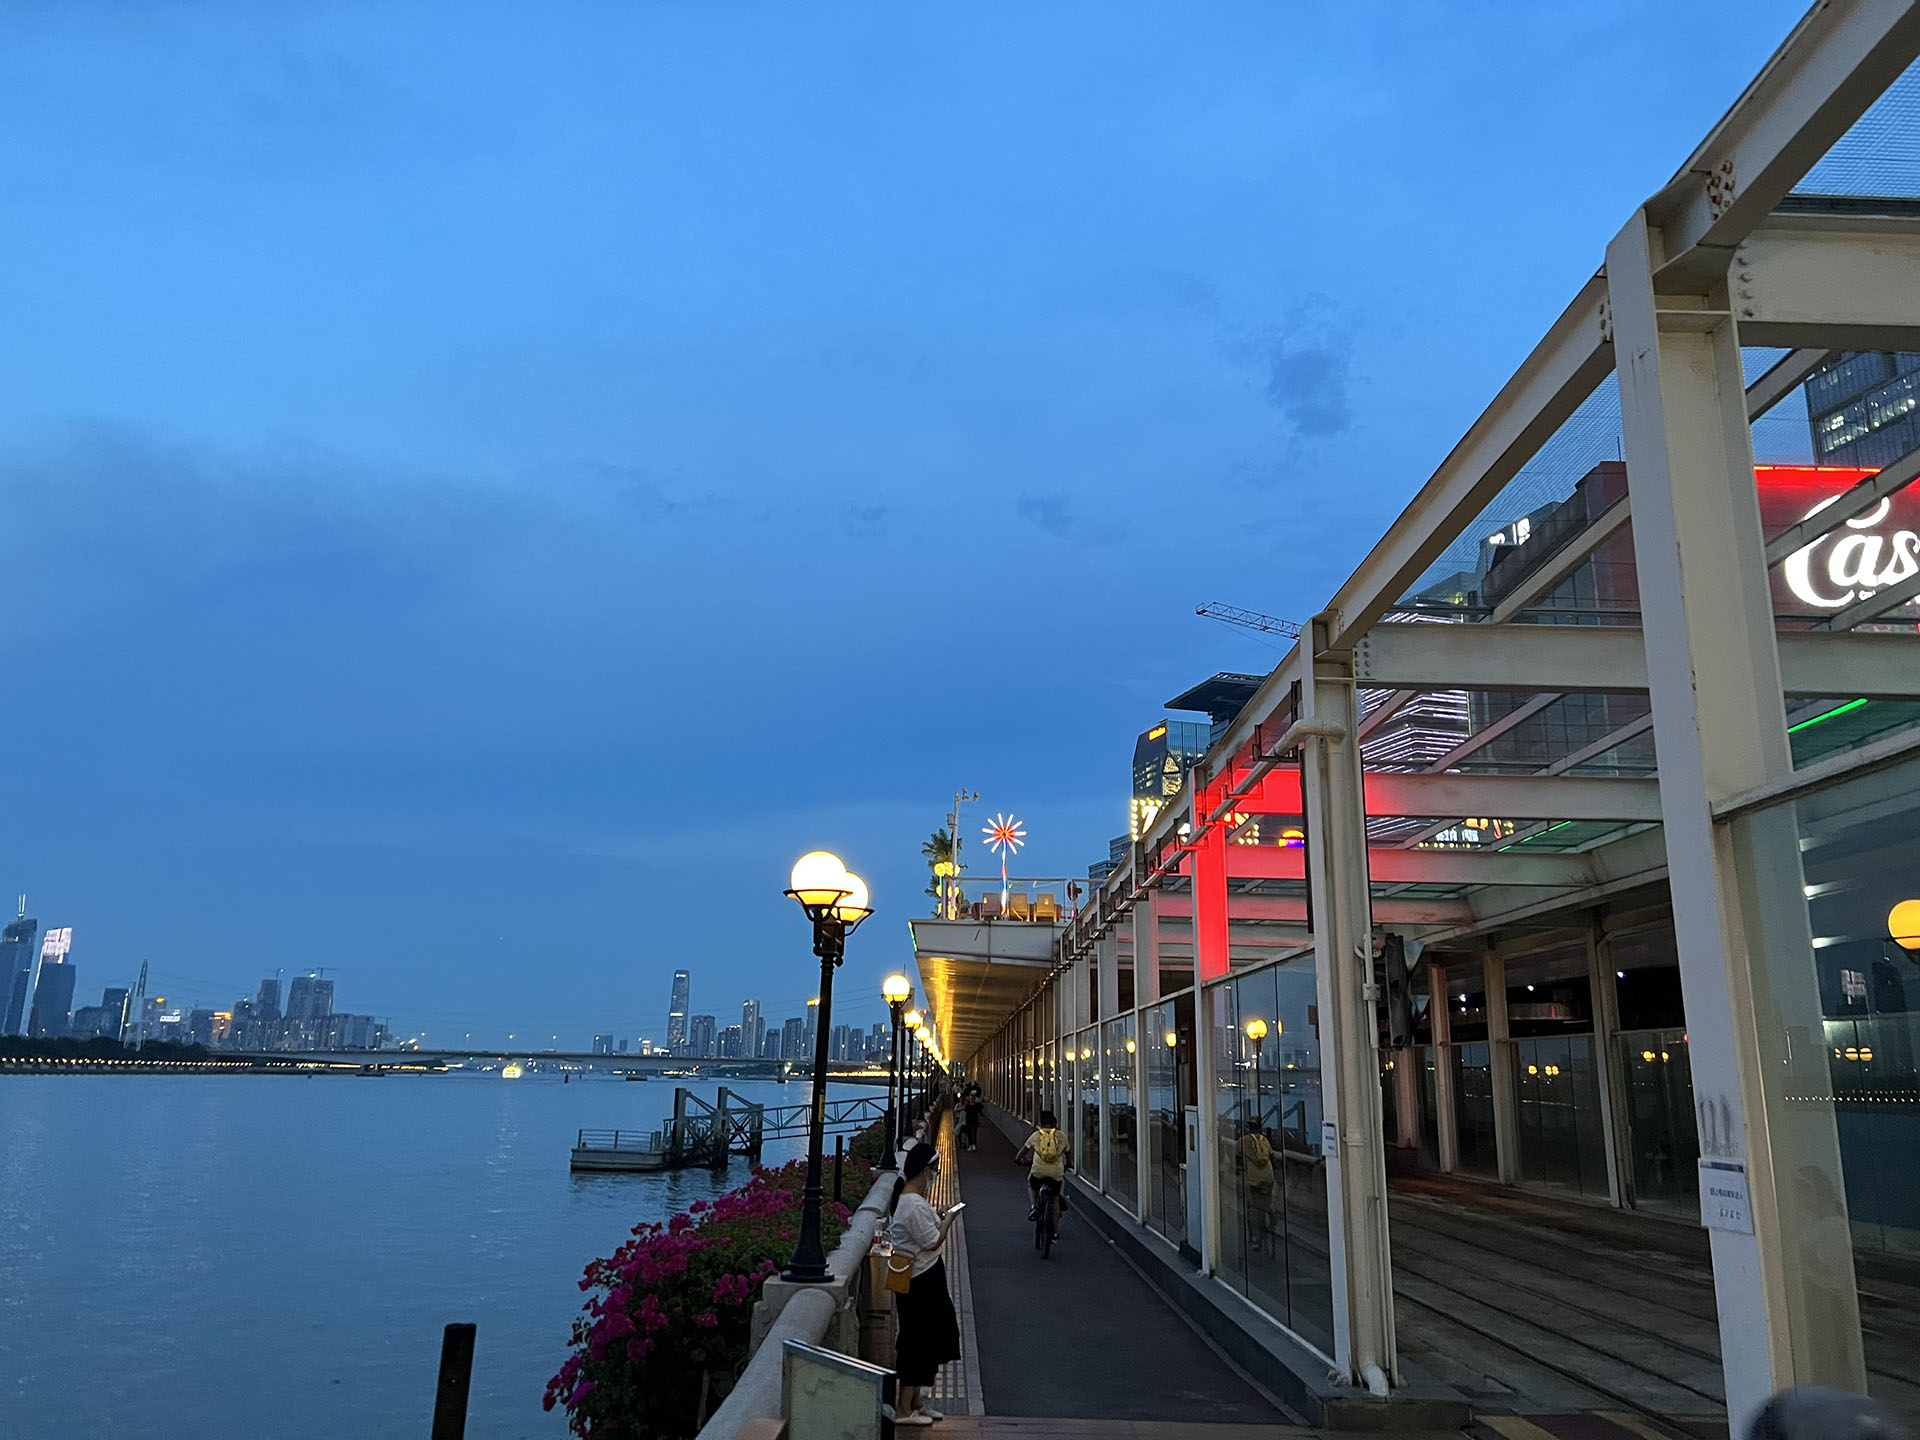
column 826, row 1315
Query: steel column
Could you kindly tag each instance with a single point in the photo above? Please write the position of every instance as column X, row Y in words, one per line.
column 1746, row 969
column 1363, row 1332
column 1502, row 1076
column 1446, row 1104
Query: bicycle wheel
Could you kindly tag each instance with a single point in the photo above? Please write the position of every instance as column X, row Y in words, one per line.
column 1043, row 1228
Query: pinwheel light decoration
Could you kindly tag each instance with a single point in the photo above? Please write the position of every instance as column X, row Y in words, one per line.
column 1005, row 836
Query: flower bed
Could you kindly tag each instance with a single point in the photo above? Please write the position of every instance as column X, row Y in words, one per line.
column 674, row 1305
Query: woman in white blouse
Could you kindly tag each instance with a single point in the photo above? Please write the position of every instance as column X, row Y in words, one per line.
column 929, row 1331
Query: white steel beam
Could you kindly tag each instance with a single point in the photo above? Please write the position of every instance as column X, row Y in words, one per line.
column 1835, row 64
column 1787, row 1302
column 1852, row 501
column 1610, row 659
column 1571, row 359
column 1485, row 736
column 1590, row 659
column 1513, row 797
column 1567, row 559
column 1875, row 667
column 1875, row 605
column 1780, row 380
column 1786, row 375
column 1849, row 284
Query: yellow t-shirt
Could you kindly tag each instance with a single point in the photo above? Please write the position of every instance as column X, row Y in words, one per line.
column 1048, row 1141
column 1257, row 1154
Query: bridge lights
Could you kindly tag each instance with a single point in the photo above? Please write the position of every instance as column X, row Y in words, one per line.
column 834, row 900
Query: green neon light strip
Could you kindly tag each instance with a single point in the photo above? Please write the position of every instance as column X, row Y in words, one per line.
column 1837, row 710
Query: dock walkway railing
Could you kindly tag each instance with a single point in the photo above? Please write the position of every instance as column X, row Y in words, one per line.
column 646, row 1141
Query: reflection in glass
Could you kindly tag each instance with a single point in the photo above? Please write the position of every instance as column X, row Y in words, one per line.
column 1123, row 1173
column 1272, row 1178
column 1166, row 1118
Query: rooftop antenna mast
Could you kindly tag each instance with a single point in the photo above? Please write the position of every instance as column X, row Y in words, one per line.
column 960, row 797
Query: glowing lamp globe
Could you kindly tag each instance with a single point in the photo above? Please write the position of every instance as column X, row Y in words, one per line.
column 914, row 1019
column 1256, row 1030
column 1172, row 1039
column 851, row 908
column 926, row 1036
column 819, row 879
column 895, row 989
column 1903, row 924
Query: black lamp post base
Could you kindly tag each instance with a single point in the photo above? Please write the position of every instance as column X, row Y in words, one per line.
column 807, row 1275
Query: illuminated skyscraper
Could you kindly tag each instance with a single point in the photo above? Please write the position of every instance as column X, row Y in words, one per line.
column 17, row 968
column 53, row 990
column 677, row 1008
column 752, row 1029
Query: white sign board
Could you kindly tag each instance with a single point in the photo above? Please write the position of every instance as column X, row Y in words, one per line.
column 1723, row 1196
column 58, row 943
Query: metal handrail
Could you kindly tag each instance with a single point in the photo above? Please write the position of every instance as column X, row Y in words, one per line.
column 647, row 1140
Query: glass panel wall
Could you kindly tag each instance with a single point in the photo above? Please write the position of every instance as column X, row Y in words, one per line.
column 1272, row 1177
column 1559, row 1112
column 1123, row 1172
column 1473, row 1106
column 1658, row 1080
column 1086, row 1140
column 1166, row 1120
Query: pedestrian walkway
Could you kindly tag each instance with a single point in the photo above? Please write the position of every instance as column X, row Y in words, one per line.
column 1082, row 1337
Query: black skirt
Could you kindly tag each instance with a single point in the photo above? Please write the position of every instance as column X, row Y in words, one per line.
column 929, row 1330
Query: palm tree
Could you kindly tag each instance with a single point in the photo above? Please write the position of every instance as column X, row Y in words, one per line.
column 938, row 851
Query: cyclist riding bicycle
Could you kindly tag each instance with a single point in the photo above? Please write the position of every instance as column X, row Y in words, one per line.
column 1046, row 1151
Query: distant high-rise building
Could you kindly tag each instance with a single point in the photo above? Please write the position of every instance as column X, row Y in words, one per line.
column 731, row 1042
column 17, row 967
column 53, row 991
column 1863, row 408
column 623, row 1045
column 300, row 998
column 770, row 1044
column 677, row 1011
column 114, row 1002
column 842, row 1040
column 322, row 999
column 793, row 1039
column 701, row 1036
column 877, row 1041
column 266, row 1005
column 813, row 1020
column 752, row 1028
column 603, row 1045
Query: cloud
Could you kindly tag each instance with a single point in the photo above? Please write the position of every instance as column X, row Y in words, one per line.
column 1052, row 513
column 866, row 522
column 1307, row 383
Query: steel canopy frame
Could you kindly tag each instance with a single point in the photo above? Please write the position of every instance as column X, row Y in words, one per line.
column 1666, row 293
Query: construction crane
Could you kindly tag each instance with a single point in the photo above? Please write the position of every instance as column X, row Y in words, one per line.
column 1249, row 619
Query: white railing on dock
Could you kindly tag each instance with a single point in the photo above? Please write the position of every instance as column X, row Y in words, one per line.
column 650, row 1141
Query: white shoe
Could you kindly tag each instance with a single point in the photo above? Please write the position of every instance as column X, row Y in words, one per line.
column 929, row 1412
column 918, row 1417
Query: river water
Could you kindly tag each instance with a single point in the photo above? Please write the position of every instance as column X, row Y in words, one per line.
column 209, row 1256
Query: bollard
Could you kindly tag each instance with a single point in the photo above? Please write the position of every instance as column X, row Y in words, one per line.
column 839, row 1158
column 456, row 1376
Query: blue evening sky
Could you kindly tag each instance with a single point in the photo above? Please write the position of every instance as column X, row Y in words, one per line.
column 486, row 486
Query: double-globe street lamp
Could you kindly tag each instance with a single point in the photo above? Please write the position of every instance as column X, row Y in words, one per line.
column 835, row 900
column 910, row 1073
column 896, row 990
